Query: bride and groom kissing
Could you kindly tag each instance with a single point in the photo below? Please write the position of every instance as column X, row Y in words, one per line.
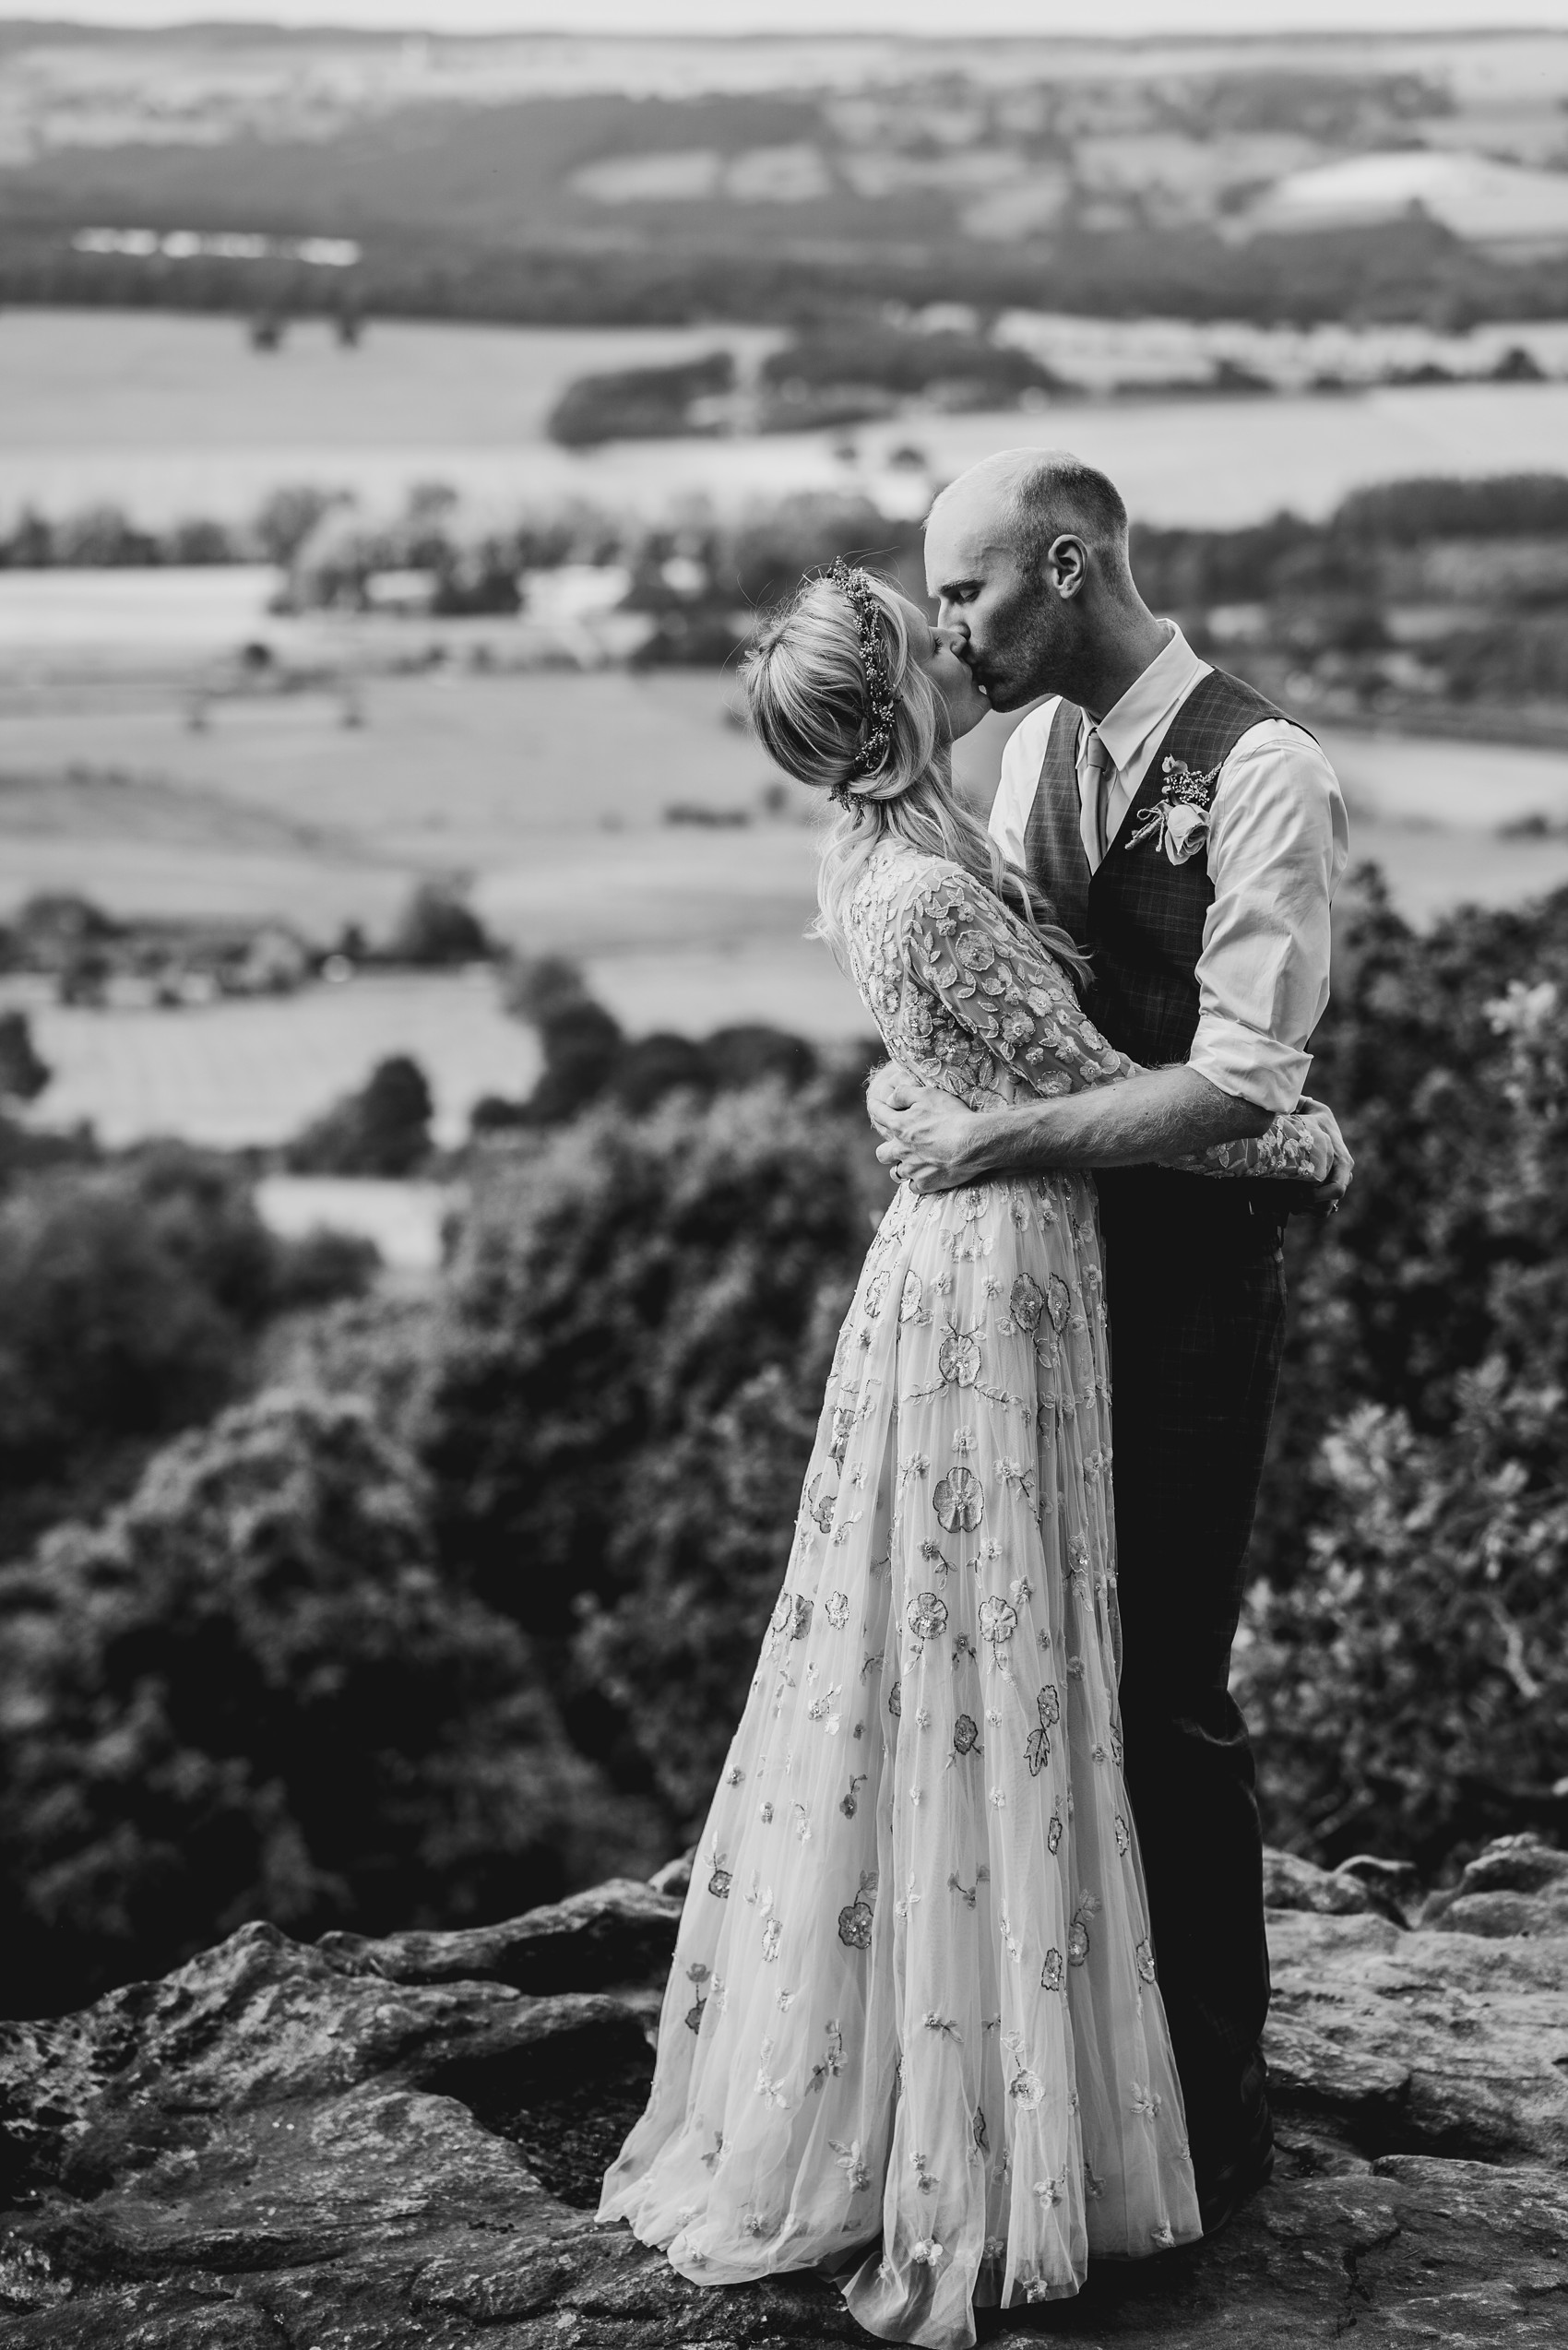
column 971, row 1979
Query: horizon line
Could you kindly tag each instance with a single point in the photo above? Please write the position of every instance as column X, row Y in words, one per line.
column 1337, row 35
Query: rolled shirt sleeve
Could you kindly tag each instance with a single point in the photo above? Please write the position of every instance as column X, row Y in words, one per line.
column 1279, row 842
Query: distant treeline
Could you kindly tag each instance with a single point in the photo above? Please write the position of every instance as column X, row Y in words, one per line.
column 102, row 535
column 1311, row 611
column 1411, row 271
column 1285, row 556
column 1194, row 565
column 841, row 372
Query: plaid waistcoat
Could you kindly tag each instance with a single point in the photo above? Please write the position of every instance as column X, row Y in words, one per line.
column 1141, row 917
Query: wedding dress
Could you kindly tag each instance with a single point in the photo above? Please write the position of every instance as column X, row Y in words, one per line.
column 913, row 2030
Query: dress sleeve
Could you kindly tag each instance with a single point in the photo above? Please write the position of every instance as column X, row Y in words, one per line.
column 1002, row 987
column 999, row 983
column 1282, row 1153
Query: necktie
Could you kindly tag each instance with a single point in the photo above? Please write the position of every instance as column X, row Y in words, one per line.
column 1098, row 768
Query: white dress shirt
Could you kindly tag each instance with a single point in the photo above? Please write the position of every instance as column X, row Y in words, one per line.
column 1278, row 841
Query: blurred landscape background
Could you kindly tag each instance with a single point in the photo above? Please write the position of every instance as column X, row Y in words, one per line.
column 432, row 1158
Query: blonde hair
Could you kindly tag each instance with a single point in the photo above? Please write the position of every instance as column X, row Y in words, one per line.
column 806, row 689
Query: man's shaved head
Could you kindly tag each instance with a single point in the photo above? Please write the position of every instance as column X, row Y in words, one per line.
column 1026, row 556
column 1034, row 495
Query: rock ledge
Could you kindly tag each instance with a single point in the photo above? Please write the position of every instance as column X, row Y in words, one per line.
column 379, row 2144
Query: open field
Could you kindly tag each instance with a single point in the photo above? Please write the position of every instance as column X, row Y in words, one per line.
column 552, row 793
column 549, row 792
column 173, row 416
column 243, row 1073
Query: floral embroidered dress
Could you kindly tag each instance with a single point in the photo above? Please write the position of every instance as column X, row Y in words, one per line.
column 913, row 2030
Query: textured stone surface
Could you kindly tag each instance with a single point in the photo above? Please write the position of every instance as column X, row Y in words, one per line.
column 1420, row 2043
column 617, row 1934
column 1289, row 1883
column 1516, row 1886
column 256, row 2023
column 391, row 2144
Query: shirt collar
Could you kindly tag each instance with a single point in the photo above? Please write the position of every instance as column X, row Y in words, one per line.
column 1152, row 699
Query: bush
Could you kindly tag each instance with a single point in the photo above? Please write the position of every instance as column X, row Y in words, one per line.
column 382, row 1129
column 1412, row 1692
column 249, row 1694
column 1406, row 1636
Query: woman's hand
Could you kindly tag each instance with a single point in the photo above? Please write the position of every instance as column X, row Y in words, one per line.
column 1333, row 1167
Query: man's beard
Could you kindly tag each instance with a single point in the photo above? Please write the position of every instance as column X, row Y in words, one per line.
column 1023, row 664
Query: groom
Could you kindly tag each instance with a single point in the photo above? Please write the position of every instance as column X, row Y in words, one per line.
column 1190, row 837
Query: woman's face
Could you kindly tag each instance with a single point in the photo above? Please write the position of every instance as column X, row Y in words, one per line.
column 962, row 699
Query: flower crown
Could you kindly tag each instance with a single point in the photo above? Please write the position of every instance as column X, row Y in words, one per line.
column 876, row 736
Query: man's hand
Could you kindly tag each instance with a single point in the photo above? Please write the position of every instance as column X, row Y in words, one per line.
column 1328, row 1195
column 930, row 1141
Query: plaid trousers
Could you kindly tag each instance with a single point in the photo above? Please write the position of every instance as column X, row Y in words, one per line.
column 1196, row 1285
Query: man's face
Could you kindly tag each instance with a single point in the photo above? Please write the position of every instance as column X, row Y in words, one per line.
column 1011, row 623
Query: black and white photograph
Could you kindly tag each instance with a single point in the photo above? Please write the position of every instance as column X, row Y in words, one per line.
column 783, row 1174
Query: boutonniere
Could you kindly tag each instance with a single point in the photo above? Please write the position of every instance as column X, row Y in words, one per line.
column 1177, row 822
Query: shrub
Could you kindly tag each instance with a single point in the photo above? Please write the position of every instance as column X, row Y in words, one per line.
column 249, row 1694
column 1411, row 1692
column 1405, row 1656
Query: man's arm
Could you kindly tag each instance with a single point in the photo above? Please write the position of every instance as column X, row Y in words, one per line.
column 936, row 1143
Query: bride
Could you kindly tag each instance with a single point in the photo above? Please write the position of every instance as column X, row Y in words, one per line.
column 913, row 2031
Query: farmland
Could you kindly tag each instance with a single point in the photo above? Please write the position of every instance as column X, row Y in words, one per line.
column 173, row 416
column 549, row 793
column 141, row 765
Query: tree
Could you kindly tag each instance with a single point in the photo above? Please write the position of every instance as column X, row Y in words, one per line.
column 384, row 1129
column 249, row 1693
column 664, row 1667
column 24, row 1072
column 288, row 516
column 616, row 1288
column 438, row 927
column 132, row 1294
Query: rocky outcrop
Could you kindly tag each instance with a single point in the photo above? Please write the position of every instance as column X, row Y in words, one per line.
column 379, row 2144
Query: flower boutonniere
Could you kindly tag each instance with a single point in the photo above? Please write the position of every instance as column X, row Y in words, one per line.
column 1177, row 822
